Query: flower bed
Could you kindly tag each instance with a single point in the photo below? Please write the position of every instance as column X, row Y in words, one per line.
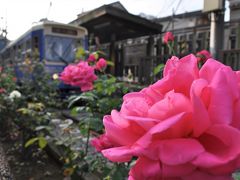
column 184, row 126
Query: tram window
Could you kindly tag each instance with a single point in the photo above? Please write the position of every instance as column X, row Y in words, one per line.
column 64, row 31
column 60, row 48
column 80, row 43
column 28, row 44
column 14, row 53
column 35, row 42
column 19, row 51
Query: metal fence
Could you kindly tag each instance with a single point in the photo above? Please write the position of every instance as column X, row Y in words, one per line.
column 231, row 58
column 147, row 65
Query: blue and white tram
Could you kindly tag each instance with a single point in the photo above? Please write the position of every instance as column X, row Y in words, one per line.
column 51, row 43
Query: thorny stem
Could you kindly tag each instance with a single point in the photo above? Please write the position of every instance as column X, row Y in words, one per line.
column 88, row 136
column 170, row 46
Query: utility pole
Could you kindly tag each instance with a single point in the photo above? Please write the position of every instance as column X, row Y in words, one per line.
column 217, row 11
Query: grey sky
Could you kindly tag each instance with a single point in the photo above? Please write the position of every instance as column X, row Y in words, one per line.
column 20, row 15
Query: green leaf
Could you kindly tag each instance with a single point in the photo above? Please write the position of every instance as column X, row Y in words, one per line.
column 24, row 111
column 76, row 110
column 42, row 142
column 88, row 96
column 39, row 128
column 110, row 63
column 80, row 53
column 30, row 142
column 95, row 55
column 111, row 80
column 158, row 69
column 236, row 176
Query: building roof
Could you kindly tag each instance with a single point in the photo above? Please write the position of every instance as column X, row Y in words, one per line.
column 114, row 20
column 182, row 16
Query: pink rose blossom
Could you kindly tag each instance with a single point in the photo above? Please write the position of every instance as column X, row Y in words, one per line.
column 14, row 79
column 2, row 90
column 91, row 58
column 101, row 64
column 203, row 55
column 101, row 143
column 168, row 37
column 183, row 127
column 81, row 75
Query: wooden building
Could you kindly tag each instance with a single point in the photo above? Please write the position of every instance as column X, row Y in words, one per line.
column 112, row 29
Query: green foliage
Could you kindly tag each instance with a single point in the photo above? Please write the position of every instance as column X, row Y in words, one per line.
column 40, row 87
column 158, row 69
column 42, row 142
column 7, row 79
column 106, row 95
column 80, row 53
column 87, row 96
column 90, row 107
column 110, row 63
column 30, row 142
column 70, row 140
column 9, row 102
column 236, row 176
column 32, row 115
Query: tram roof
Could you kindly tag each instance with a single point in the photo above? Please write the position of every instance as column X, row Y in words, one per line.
column 40, row 25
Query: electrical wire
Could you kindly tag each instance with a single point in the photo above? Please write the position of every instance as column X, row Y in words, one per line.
column 163, row 7
column 174, row 11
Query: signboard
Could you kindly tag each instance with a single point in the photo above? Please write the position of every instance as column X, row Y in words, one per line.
column 212, row 5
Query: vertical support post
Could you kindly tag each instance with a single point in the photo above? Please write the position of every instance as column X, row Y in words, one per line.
column 149, row 60
column 112, row 53
column 217, row 31
column 213, row 34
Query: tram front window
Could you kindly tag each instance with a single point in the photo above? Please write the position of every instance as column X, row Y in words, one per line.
column 60, row 49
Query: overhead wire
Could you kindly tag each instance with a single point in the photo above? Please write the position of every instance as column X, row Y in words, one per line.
column 174, row 11
column 163, row 7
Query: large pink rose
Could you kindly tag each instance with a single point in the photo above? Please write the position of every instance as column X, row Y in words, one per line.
column 81, row 75
column 183, row 127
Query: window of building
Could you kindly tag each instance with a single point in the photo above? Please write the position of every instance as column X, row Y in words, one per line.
column 233, row 38
column 200, row 42
column 190, row 43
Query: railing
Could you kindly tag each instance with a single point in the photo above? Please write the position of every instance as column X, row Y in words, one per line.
column 147, row 66
column 231, row 58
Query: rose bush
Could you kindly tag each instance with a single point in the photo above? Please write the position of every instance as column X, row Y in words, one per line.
column 185, row 126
